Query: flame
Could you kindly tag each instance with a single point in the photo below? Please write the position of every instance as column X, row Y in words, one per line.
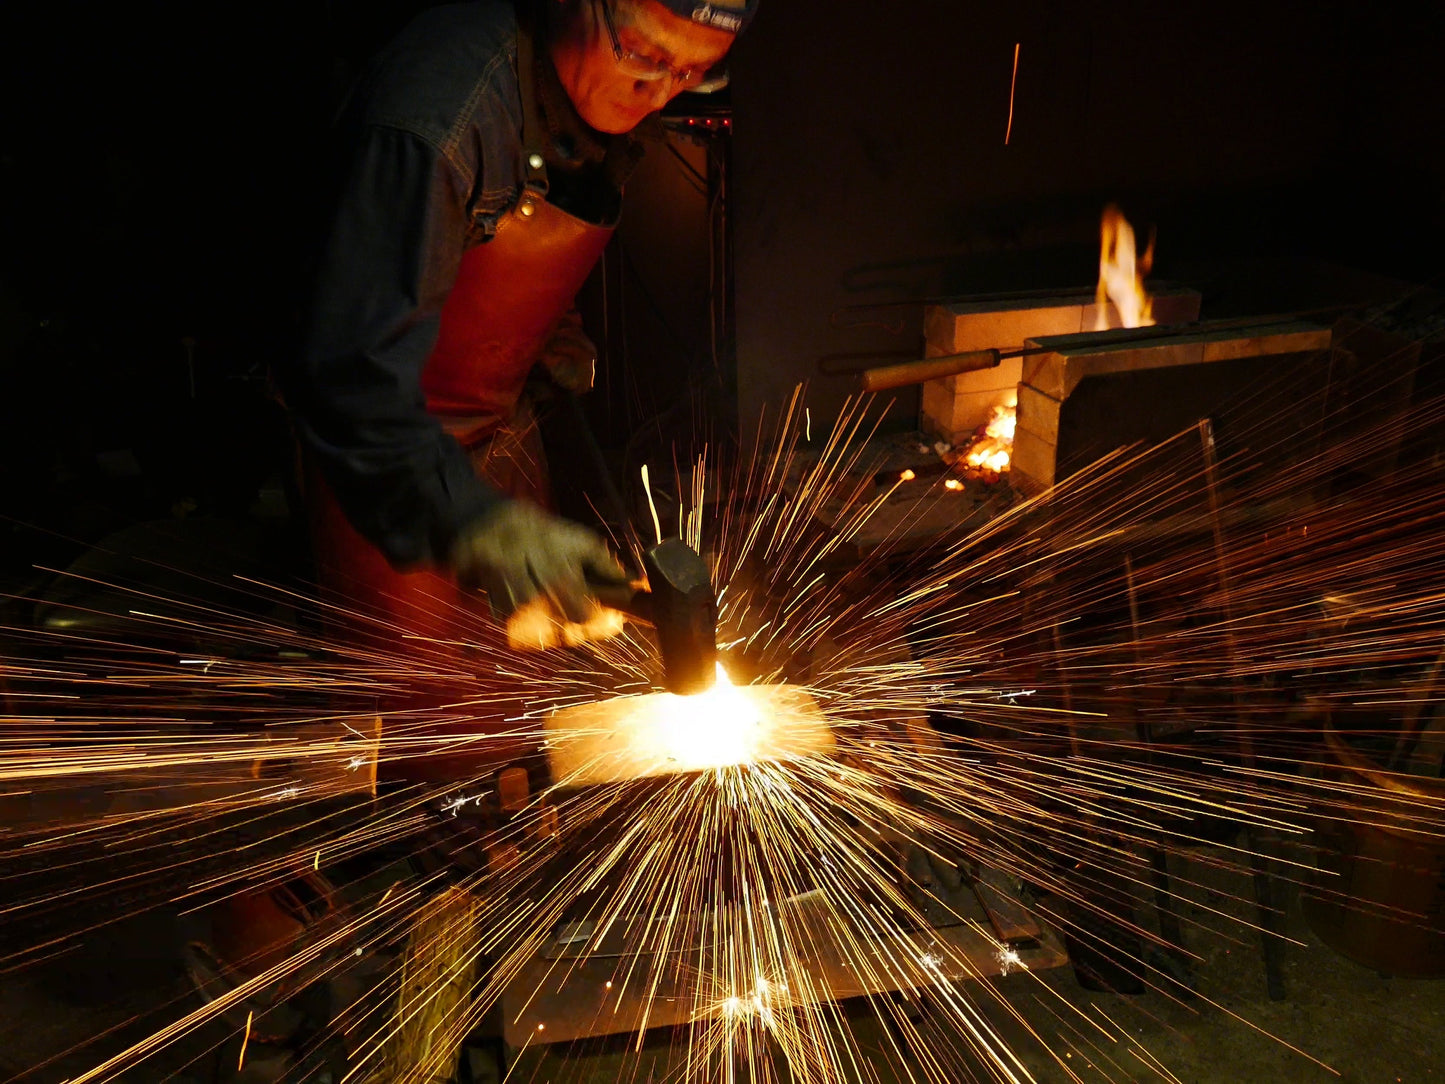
column 1121, row 274
column 993, row 450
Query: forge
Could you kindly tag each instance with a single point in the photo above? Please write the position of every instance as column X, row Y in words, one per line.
column 1084, row 395
column 953, row 407
column 1073, row 387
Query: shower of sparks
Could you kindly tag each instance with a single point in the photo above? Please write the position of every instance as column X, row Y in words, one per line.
column 1012, row 85
column 993, row 693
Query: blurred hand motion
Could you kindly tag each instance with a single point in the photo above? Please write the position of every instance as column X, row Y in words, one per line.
column 537, row 626
column 520, row 554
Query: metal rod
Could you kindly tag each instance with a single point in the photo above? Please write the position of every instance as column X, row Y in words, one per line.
column 916, row 372
column 1410, row 723
column 1066, row 693
column 1169, row 926
column 1263, row 887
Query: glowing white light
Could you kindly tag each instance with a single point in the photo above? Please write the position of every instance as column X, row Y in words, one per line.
column 712, row 729
column 1008, row 959
column 454, row 805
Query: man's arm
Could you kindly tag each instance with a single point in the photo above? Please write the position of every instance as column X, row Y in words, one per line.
column 386, row 269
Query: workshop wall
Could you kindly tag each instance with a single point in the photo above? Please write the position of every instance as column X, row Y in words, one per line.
column 870, row 163
column 160, row 179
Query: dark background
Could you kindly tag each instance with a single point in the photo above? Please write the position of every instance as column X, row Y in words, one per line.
column 1261, row 139
column 159, row 170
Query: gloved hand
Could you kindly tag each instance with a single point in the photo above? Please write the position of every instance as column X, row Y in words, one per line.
column 517, row 552
column 570, row 357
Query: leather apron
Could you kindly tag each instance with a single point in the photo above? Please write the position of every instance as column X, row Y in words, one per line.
column 509, row 293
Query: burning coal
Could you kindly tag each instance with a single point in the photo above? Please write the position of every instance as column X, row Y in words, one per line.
column 993, row 450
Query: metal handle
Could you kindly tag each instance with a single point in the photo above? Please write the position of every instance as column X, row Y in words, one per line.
column 916, row 372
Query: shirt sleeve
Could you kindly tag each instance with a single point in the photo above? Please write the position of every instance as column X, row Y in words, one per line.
column 385, row 271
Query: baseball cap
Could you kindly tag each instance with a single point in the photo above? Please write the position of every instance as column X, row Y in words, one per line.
column 730, row 15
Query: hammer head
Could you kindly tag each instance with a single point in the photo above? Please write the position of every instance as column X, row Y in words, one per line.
column 684, row 613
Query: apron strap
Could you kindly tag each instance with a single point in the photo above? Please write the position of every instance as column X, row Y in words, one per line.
column 534, row 127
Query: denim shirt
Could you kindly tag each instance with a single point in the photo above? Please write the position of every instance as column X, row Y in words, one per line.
column 431, row 160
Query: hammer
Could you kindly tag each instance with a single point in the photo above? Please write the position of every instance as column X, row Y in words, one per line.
column 680, row 603
column 681, row 606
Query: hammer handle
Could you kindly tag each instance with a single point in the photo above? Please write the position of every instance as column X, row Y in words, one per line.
column 610, row 491
column 635, row 602
column 916, row 372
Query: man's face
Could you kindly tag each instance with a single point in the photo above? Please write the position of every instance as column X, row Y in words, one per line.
column 605, row 94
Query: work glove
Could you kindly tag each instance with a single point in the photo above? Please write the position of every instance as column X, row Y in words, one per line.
column 517, row 552
column 570, row 357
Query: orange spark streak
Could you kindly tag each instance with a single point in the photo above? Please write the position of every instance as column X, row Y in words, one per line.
column 1013, row 82
column 241, row 1061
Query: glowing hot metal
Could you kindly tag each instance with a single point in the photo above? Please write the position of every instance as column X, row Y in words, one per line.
column 632, row 737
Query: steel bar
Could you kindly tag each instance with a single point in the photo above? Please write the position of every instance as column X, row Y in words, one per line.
column 1163, row 896
column 1263, row 888
column 900, row 375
